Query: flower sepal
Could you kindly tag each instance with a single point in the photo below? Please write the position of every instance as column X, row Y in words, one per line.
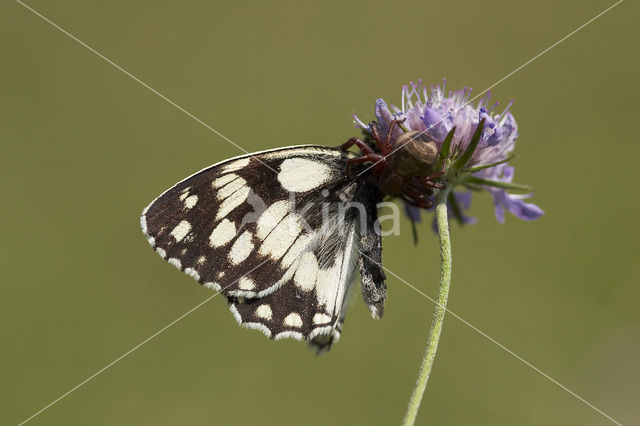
column 464, row 158
column 499, row 184
column 488, row 166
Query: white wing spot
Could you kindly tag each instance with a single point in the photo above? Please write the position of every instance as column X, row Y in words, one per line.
column 264, row 312
column 296, row 249
column 175, row 262
column 213, row 286
column 281, row 238
column 320, row 318
column 161, row 252
column 301, row 174
column 236, row 165
column 190, row 201
column 192, row 273
column 230, row 188
column 270, row 218
column 143, row 221
column 222, row 234
column 293, row 320
column 223, row 180
column 289, row 334
column 241, row 248
column 181, row 231
column 184, row 193
column 201, row 260
column 332, row 284
column 306, row 272
column 246, row 284
column 220, row 274
column 328, row 286
column 232, row 202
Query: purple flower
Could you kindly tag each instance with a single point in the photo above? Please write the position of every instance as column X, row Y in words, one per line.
column 504, row 201
column 436, row 113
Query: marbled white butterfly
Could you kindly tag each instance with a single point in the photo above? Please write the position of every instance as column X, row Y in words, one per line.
column 280, row 233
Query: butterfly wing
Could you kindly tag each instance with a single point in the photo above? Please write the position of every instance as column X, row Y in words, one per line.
column 266, row 230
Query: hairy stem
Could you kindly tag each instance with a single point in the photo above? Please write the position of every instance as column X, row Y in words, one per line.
column 441, row 307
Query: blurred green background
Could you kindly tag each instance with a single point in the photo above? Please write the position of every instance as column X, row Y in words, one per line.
column 85, row 148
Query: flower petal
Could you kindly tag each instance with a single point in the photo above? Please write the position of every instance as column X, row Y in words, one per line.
column 515, row 205
column 464, row 199
column 384, row 118
column 412, row 213
column 499, row 210
column 434, row 124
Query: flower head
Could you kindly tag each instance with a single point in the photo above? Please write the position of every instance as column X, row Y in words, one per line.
column 475, row 159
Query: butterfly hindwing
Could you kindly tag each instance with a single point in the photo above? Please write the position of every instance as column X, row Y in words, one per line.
column 312, row 302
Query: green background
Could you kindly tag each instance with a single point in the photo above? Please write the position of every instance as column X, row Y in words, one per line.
column 85, row 148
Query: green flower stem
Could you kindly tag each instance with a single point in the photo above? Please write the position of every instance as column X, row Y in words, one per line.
column 441, row 308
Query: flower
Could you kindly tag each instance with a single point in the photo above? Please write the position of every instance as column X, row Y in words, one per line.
column 485, row 165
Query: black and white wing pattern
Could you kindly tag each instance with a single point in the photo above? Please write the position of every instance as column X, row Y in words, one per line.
column 277, row 232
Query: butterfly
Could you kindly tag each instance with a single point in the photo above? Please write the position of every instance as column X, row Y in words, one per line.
column 281, row 233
